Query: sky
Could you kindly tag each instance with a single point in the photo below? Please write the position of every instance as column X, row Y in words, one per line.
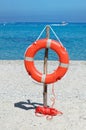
column 42, row 10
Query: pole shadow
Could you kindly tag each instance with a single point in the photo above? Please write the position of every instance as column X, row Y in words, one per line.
column 28, row 105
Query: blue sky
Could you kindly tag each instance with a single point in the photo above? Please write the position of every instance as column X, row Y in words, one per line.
column 43, row 10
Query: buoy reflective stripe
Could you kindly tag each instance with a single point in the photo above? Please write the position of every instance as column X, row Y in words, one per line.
column 48, row 43
column 43, row 78
column 60, row 70
column 29, row 58
column 64, row 65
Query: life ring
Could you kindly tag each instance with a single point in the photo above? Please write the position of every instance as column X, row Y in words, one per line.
column 60, row 70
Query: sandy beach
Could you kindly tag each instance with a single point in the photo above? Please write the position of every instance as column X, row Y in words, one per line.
column 19, row 94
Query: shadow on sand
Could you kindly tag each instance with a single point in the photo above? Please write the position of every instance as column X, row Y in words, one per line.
column 28, row 105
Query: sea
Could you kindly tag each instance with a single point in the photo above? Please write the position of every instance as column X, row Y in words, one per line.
column 16, row 37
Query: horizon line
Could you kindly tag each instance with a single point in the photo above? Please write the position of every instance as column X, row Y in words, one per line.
column 13, row 22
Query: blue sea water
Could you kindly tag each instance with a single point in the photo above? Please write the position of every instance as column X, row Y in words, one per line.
column 16, row 37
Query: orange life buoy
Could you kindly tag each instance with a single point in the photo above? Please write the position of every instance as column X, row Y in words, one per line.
column 60, row 70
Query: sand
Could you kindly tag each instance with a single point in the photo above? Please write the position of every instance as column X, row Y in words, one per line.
column 19, row 94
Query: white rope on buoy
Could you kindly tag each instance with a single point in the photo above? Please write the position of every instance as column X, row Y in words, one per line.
column 41, row 33
column 53, row 33
column 56, row 35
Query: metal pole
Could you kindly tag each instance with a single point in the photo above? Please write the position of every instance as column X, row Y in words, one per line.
column 45, row 68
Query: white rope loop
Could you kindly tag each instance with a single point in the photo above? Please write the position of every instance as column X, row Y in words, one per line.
column 41, row 33
column 53, row 33
column 56, row 36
